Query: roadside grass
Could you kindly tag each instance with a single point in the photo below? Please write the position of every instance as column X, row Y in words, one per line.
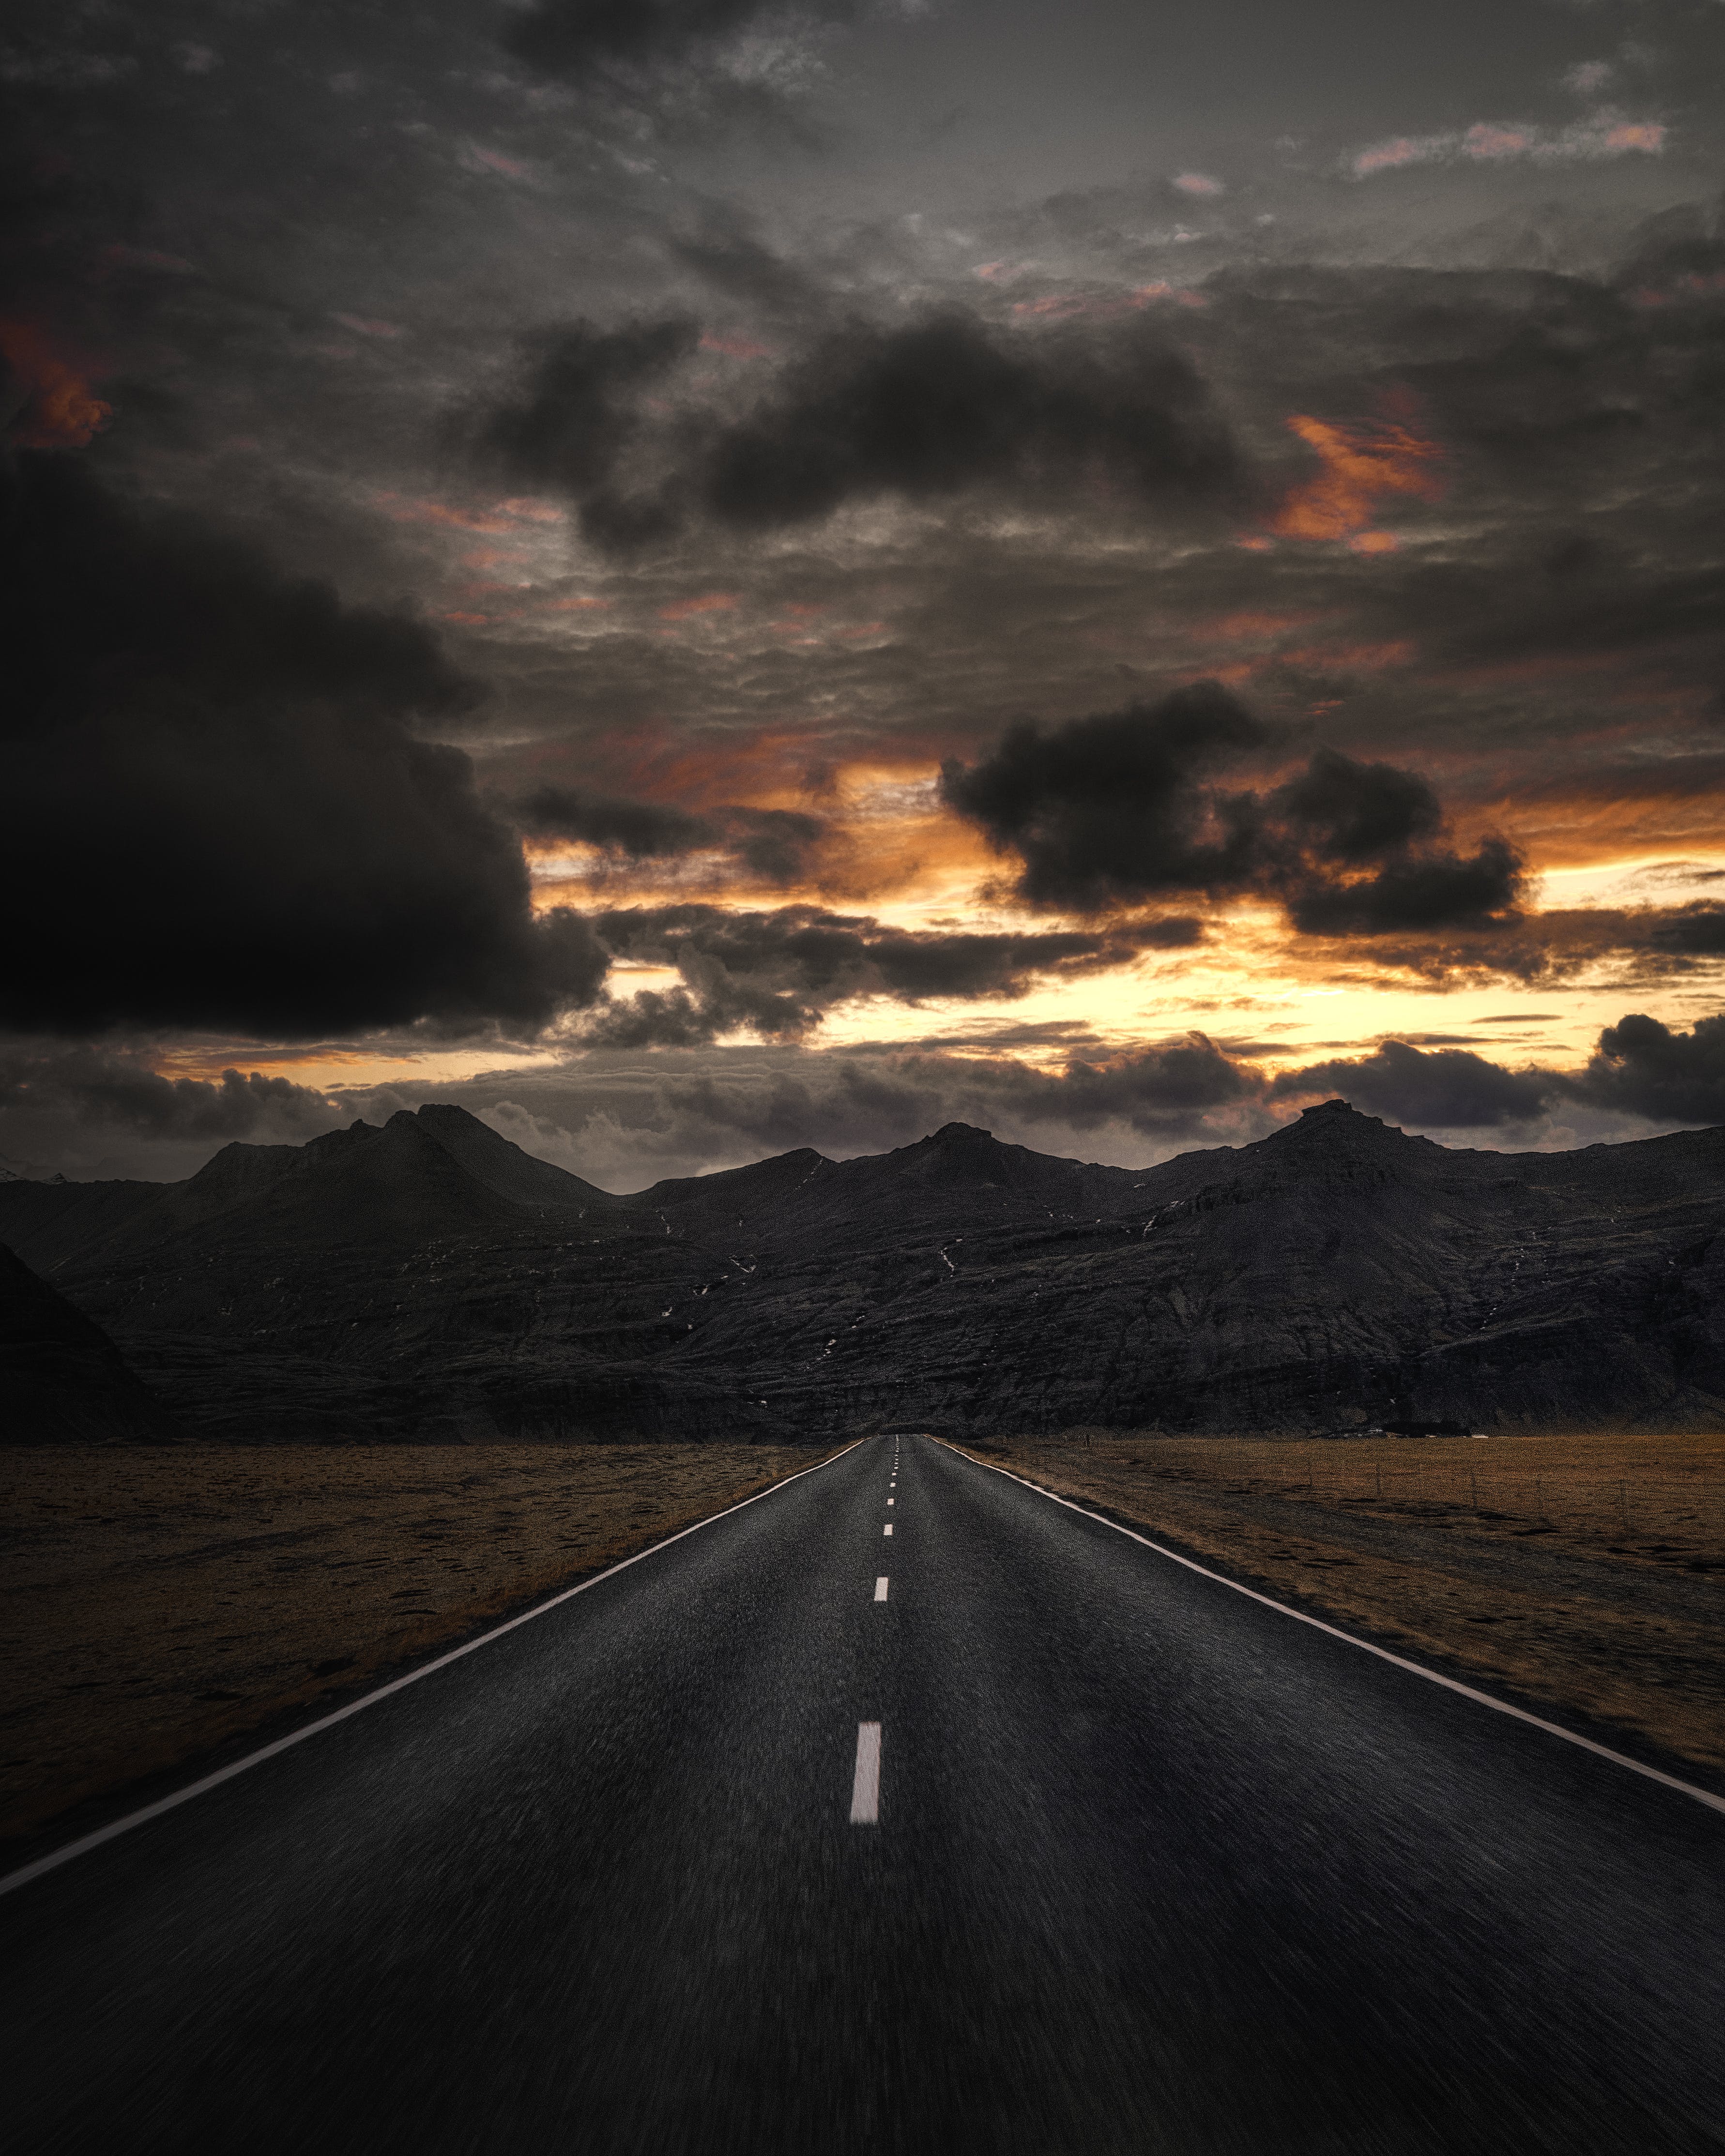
column 1585, row 1571
column 157, row 1602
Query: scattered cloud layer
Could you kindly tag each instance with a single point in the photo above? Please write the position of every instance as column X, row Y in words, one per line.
column 507, row 508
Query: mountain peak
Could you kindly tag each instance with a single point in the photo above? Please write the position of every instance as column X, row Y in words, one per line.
column 1341, row 1108
column 957, row 1133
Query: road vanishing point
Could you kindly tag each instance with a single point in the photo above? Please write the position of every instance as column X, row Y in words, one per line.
column 1006, row 1833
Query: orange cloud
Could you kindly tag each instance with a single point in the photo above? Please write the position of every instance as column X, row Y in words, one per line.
column 1597, row 135
column 1361, row 464
column 736, row 347
column 1693, row 284
column 368, row 325
column 479, row 159
column 1258, row 625
column 1485, row 139
column 1064, row 306
column 61, row 411
column 708, row 603
column 442, row 512
column 1400, row 149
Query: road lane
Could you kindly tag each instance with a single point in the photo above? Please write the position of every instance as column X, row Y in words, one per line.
column 1152, row 1868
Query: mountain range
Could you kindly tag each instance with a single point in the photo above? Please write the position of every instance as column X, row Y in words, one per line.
column 427, row 1281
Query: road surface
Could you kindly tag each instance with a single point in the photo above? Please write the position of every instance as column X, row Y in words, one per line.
column 1046, row 1845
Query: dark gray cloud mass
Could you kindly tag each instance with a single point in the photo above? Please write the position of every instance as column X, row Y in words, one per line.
column 1119, row 807
column 217, row 812
column 1645, row 1068
column 1426, row 1088
column 577, row 412
column 777, row 973
column 924, row 411
column 102, row 1086
column 773, row 845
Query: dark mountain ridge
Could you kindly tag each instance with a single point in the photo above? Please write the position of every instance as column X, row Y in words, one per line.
column 429, row 1280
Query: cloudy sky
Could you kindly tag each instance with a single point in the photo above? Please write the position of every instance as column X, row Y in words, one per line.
column 703, row 577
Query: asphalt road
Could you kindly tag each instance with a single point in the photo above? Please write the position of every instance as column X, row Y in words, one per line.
column 1155, row 1868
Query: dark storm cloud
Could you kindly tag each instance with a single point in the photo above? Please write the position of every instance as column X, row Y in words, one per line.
column 1640, row 1068
column 776, row 845
column 1639, row 947
column 578, row 400
column 777, row 973
column 1439, row 1089
column 1161, row 1089
column 726, row 250
column 1691, row 931
column 1112, row 809
column 44, row 1082
column 924, row 413
column 927, row 411
column 1643, row 1068
column 577, row 412
column 644, row 830
column 217, row 812
column 1435, row 889
column 1350, row 811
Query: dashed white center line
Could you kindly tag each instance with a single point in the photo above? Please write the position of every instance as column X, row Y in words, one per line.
column 892, row 1500
column 887, row 1529
column 880, row 1588
column 865, row 1788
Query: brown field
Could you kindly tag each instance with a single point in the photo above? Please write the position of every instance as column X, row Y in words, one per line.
column 1584, row 1573
column 156, row 1603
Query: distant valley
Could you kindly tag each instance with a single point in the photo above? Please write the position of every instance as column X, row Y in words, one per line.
column 428, row 1280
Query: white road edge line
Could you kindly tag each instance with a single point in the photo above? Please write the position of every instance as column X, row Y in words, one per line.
column 1401, row 1661
column 880, row 1588
column 57, row 1857
column 865, row 1784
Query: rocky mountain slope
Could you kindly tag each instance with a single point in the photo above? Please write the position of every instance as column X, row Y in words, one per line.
column 61, row 1378
column 429, row 1280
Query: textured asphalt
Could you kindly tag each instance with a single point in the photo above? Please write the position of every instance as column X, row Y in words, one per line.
column 1156, row 1870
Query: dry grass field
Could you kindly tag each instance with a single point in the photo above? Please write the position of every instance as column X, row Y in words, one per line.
column 1587, row 1573
column 157, row 1602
